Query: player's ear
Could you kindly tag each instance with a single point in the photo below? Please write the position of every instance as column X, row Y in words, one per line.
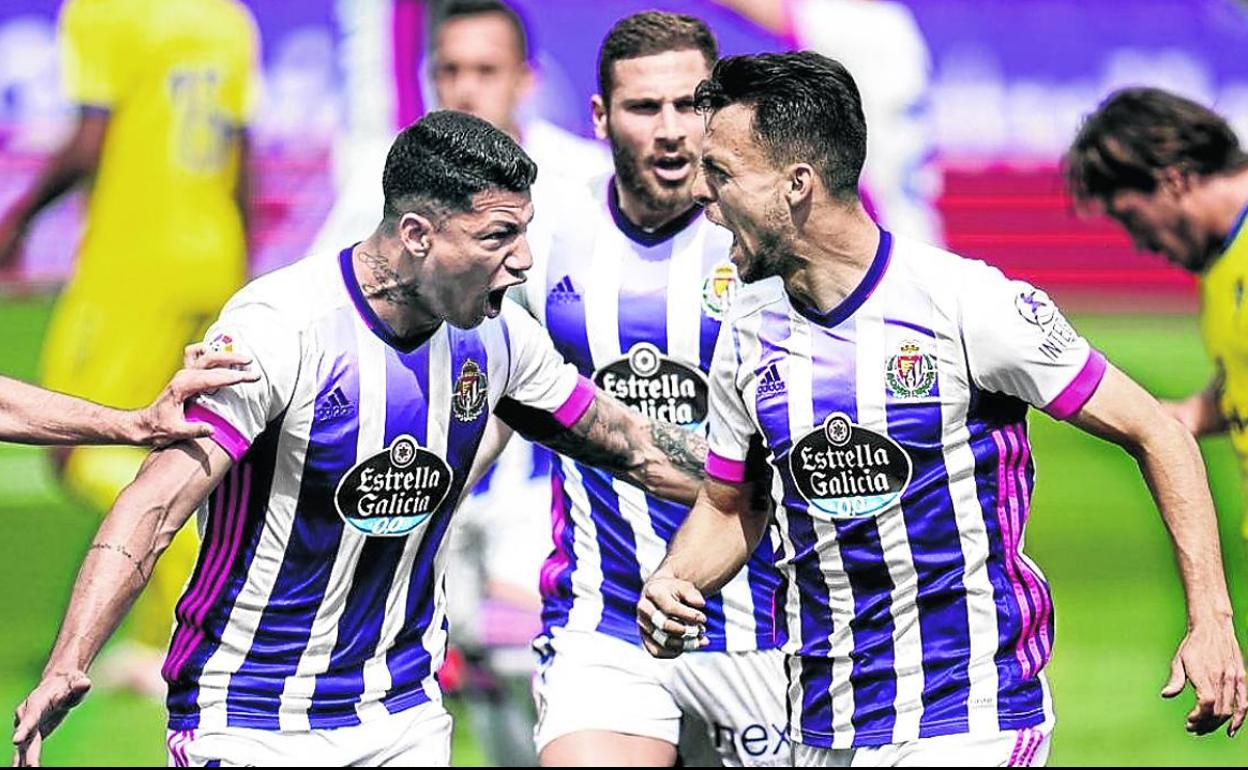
column 415, row 232
column 598, row 112
column 800, row 179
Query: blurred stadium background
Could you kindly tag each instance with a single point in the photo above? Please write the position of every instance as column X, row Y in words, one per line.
column 1010, row 80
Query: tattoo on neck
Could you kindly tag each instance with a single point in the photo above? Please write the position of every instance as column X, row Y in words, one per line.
column 385, row 284
column 138, row 565
column 686, row 449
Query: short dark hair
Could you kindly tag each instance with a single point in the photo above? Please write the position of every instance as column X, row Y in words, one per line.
column 806, row 109
column 1138, row 132
column 649, row 33
column 459, row 9
column 437, row 164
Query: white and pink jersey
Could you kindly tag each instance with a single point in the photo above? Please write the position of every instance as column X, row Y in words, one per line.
column 318, row 597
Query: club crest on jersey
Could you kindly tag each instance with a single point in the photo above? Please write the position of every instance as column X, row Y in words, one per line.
column 472, row 390
column 659, row 387
column 910, row 373
column 394, row 491
column 846, row 471
column 718, row 290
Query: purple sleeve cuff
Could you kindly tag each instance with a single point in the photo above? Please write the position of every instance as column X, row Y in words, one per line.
column 1080, row 389
column 723, row 469
column 227, row 436
column 577, row 403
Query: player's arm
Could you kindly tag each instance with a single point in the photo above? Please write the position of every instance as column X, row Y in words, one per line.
column 771, row 15
column 76, row 159
column 716, row 539
column 32, row 415
column 661, row 458
column 118, row 564
column 1209, row 657
column 1199, row 412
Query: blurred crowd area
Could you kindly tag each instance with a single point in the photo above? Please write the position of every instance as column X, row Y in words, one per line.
column 1006, row 84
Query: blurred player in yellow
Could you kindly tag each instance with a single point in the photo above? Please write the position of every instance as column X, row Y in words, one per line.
column 1174, row 175
column 163, row 89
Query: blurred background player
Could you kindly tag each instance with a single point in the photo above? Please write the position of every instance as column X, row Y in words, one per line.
column 633, row 288
column 1174, row 175
column 163, row 89
column 479, row 63
column 880, row 42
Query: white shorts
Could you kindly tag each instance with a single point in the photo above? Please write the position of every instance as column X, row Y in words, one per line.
column 1010, row 748
column 592, row 681
column 419, row 736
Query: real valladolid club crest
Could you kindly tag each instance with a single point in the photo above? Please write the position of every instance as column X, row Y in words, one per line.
column 911, row 373
column 471, row 392
column 718, row 290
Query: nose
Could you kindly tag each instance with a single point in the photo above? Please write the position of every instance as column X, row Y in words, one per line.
column 521, row 258
column 670, row 129
column 702, row 194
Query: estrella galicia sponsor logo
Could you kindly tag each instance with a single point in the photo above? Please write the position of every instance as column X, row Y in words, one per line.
column 847, row 471
column 472, row 390
column 659, row 387
column 718, row 290
column 910, row 373
column 394, row 491
column 1037, row 309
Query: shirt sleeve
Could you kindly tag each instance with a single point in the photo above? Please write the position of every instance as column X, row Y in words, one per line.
column 730, row 426
column 1019, row 343
column 539, row 377
column 95, row 53
column 241, row 412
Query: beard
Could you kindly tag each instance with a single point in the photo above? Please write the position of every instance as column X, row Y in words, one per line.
column 653, row 194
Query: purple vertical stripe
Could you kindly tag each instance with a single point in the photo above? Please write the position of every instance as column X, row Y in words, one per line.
column 282, row 635
column 259, row 461
column 1037, row 588
column 410, row 664
column 557, row 602
column 359, row 629
column 940, row 569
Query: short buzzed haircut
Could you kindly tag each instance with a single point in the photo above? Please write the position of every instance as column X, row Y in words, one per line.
column 650, row 33
column 1137, row 133
column 437, row 164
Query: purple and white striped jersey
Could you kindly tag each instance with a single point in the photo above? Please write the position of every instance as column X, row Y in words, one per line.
column 318, row 598
column 639, row 312
column 896, row 427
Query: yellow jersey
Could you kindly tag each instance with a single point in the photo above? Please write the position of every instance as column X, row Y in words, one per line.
column 1224, row 327
column 177, row 78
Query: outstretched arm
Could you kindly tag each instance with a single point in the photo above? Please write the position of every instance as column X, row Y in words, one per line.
column 32, row 415
column 118, row 564
column 664, row 459
column 1122, row 412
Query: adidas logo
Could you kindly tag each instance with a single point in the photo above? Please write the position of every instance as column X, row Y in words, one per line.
column 564, row 291
column 335, row 405
column 769, row 384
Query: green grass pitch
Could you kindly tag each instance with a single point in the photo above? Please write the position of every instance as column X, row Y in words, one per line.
column 1093, row 531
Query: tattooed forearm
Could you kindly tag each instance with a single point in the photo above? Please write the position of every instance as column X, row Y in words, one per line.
column 602, row 438
column 121, row 549
column 685, row 449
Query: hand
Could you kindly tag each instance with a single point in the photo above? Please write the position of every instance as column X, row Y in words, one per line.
column 43, row 710
column 164, row 421
column 1209, row 658
column 670, row 617
column 1187, row 412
